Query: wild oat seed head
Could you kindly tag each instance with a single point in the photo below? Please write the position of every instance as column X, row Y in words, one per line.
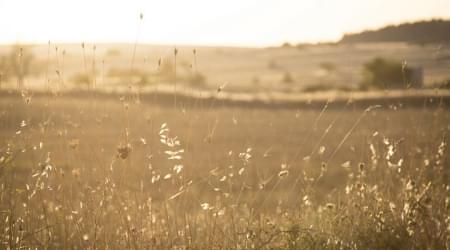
column 361, row 166
column 123, row 151
column 330, row 206
column 283, row 173
column 323, row 166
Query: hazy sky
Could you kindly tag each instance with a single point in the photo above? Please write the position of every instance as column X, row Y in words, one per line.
column 206, row 22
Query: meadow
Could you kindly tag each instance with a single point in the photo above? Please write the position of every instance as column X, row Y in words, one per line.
column 123, row 171
column 286, row 69
column 154, row 147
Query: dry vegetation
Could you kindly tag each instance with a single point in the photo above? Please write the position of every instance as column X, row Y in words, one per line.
column 165, row 170
column 289, row 69
column 117, row 173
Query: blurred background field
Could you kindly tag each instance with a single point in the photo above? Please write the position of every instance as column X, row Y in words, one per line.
column 293, row 69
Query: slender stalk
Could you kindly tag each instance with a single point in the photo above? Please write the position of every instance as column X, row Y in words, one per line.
column 175, row 52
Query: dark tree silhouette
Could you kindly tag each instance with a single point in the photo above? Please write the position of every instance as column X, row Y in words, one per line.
column 433, row 31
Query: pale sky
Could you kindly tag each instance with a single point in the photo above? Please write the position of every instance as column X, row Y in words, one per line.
column 204, row 22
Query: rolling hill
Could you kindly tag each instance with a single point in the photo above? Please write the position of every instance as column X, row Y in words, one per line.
column 423, row 32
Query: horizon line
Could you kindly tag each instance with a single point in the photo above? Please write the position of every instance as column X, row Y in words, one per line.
column 222, row 45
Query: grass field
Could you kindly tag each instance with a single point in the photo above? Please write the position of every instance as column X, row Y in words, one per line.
column 84, row 172
column 125, row 132
column 309, row 67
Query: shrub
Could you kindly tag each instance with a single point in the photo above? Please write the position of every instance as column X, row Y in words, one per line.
column 381, row 73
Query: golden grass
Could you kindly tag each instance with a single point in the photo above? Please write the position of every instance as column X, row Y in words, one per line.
column 77, row 172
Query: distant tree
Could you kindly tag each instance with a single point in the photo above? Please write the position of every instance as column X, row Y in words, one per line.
column 385, row 74
column 422, row 32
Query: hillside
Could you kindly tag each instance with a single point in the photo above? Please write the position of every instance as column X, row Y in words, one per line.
column 244, row 69
column 423, row 32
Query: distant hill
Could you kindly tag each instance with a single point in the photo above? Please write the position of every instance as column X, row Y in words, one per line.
column 423, row 32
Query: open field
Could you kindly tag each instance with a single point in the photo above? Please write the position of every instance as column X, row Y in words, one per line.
column 225, row 125
column 124, row 171
column 287, row 69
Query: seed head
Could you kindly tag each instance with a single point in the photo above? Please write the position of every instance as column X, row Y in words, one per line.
column 283, row 173
column 124, row 151
column 330, row 206
column 323, row 166
column 73, row 144
column 361, row 166
column 76, row 172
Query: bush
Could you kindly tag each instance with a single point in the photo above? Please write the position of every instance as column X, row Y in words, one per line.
column 386, row 74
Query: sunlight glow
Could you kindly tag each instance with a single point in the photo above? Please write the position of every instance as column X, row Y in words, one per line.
column 204, row 22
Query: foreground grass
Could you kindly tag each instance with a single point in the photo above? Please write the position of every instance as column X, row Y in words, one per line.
column 119, row 174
